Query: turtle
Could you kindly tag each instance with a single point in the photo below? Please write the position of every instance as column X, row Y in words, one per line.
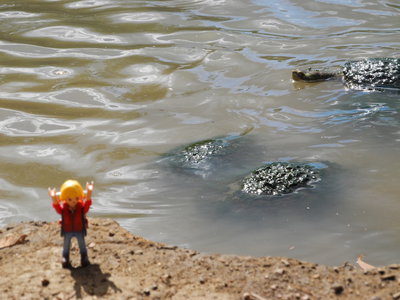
column 365, row 74
column 281, row 177
column 217, row 157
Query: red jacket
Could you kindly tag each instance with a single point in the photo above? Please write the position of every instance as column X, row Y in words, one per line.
column 72, row 220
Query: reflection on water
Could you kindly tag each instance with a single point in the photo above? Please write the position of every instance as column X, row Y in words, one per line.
column 101, row 90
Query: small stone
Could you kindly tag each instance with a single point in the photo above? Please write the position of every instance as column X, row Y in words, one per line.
column 267, row 265
column 247, row 296
column 146, row 292
column 285, row 263
column 279, row 271
column 338, row 289
column 166, row 278
column 349, row 280
column 45, row 282
column 388, row 277
column 394, row 267
column 396, row 296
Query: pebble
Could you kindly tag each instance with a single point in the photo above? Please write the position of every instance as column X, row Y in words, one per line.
column 146, row 292
column 338, row 289
column 279, row 271
column 45, row 282
column 396, row 296
column 285, row 263
column 394, row 267
column 388, row 277
column 266, row 265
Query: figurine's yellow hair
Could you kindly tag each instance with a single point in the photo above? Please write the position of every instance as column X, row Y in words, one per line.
column 71, row 189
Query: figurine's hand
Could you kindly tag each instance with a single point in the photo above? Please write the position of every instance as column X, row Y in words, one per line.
column 89, row 189
column 53, row 194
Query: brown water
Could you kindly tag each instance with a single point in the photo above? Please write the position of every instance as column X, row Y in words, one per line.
column 99, row 90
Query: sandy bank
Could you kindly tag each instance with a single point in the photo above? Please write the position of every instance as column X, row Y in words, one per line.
column 125, row 266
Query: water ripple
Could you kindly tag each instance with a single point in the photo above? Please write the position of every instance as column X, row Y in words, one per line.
column 17, row 14
column 98, row 89
column 68, row 33
column 88, row 4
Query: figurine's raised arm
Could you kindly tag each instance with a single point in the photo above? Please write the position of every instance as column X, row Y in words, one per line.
column 53, row 195
column 89, row 190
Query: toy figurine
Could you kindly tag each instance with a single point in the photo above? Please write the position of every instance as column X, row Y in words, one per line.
column 72, row 204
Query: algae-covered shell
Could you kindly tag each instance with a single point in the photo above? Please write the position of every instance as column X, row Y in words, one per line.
column 278, row 178
column 372, row 73
column 220, row 157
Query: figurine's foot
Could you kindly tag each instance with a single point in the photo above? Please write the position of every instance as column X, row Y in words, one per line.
column 85, row 261
column 66, row 263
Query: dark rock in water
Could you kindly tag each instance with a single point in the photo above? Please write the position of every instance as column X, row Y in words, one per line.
column 280, row 178
column 373, row 73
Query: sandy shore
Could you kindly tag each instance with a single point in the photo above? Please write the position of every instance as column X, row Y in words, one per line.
column 125, row 266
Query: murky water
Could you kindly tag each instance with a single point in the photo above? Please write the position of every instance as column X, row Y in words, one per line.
column 100, row 90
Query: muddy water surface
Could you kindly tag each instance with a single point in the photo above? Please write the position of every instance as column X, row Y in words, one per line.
column 100, row 90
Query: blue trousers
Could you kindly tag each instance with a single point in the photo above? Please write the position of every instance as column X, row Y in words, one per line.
column 67, row 243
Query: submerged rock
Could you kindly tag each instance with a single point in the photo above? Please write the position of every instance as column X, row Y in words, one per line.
column 370, row 73
column 280, row 178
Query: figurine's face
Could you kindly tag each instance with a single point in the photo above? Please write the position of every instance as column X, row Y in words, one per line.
column 72, row 201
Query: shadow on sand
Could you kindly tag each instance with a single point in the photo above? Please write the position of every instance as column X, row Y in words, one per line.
column 92, row 280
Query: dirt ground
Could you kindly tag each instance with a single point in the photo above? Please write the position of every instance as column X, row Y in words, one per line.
column 125, row 266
